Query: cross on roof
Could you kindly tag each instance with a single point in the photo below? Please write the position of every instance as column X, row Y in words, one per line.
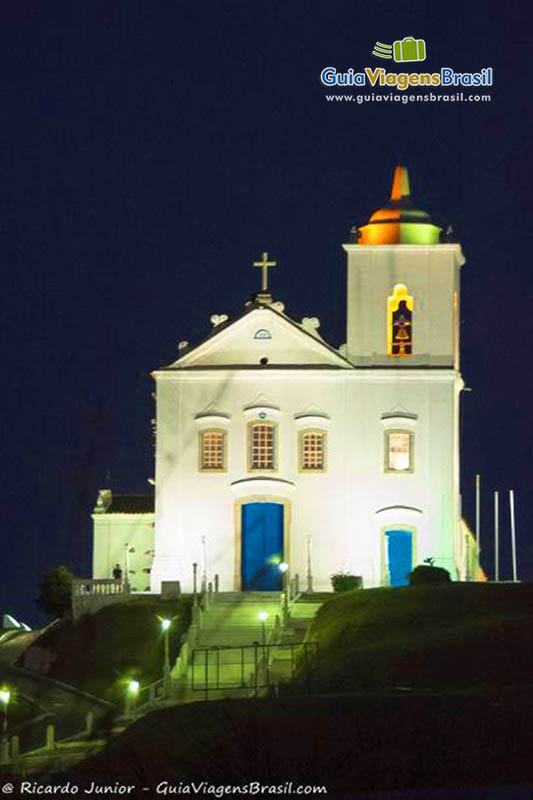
column 264, row 264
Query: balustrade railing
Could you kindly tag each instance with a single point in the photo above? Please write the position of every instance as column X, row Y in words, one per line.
column 201, row 604
column 83, row 587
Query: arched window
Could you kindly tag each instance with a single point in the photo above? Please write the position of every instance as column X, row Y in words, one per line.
column 399, row 451
column 400, row 322
column 262, row 333
column 312, row 447
column 262, row 445
column 213, row 450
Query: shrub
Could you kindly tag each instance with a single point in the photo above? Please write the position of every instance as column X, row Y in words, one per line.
column 427, row 573
column 344, row 582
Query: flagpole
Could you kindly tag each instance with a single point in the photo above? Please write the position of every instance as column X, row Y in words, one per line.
column 478, row 508
column 496, row 538
column 513, row 533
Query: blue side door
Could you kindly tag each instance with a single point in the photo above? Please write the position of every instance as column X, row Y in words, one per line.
column 399, row 556
column 262, row 546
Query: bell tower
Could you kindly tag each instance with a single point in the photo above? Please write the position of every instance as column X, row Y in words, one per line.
column 403, row 288
column 403, row 338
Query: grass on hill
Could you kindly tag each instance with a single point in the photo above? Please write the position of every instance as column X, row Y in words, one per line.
column 347, row 743
column 470, row 643
column 445, row 636
column 99, row 653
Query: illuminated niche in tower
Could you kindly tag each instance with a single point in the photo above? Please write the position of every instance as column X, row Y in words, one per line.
column 400, row 322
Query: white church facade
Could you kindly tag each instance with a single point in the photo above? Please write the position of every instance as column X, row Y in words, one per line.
column 272, row 447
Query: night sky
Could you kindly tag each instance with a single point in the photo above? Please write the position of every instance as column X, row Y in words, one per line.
column 151, row 152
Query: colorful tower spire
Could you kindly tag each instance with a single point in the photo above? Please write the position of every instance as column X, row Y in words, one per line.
column 400, row 183
column 398, row 221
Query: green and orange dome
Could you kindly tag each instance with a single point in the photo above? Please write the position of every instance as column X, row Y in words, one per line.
column 399, row 222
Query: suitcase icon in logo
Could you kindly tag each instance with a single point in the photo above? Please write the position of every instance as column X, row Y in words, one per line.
column 409, row 49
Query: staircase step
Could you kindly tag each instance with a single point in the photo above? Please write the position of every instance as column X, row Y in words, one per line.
column 232, row 623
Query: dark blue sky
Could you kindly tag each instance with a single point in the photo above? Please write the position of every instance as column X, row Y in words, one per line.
column 152, row 151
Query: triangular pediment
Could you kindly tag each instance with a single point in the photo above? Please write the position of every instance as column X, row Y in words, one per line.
column 262, row 400
column 312, row 410
column 261, row 337
column 399, row 411
column 211, row 410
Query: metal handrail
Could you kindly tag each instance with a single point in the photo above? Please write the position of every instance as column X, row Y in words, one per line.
column 262, row 657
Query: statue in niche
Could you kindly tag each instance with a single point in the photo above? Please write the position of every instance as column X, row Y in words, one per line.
column 402, row 340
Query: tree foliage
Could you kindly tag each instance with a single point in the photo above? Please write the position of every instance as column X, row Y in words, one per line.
column 55, row 592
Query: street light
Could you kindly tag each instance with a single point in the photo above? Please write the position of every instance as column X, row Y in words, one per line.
column 194, row 587
column 165, row 627
column 132, row 691
column 263, row 616
column 5, row 696
column 283, row 568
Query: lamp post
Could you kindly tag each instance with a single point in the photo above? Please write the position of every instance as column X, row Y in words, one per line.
column 127, row 569
column 309, row 566
column 204, row 565
column 194, row 587
column 5, row 696
column 263, row 616
column 165, row 627
column 132, row 691
column 284, row 569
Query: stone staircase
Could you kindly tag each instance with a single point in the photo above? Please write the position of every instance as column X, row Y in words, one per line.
column 233, row 622
column 301, row 616
column 233, row 632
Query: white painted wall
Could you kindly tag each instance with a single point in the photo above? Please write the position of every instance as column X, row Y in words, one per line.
column 339, row 508
column 111, row 533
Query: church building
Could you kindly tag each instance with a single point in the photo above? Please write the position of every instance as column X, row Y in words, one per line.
column 275, row 448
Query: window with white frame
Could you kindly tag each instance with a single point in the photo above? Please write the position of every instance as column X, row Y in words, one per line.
column 312, row 451
column 399, row 451
column 213, row 450
column 262, row 445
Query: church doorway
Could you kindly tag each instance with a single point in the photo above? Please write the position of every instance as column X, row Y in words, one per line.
column 261, row 546
column 399, row 556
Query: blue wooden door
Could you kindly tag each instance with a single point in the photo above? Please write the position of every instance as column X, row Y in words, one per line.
column 262, row 546
column 399, row 556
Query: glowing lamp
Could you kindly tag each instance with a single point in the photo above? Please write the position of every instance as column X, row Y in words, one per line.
column 165, row 624
column 263, row 616
column 5, row 695
column 283, row 567
column 133, row 688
